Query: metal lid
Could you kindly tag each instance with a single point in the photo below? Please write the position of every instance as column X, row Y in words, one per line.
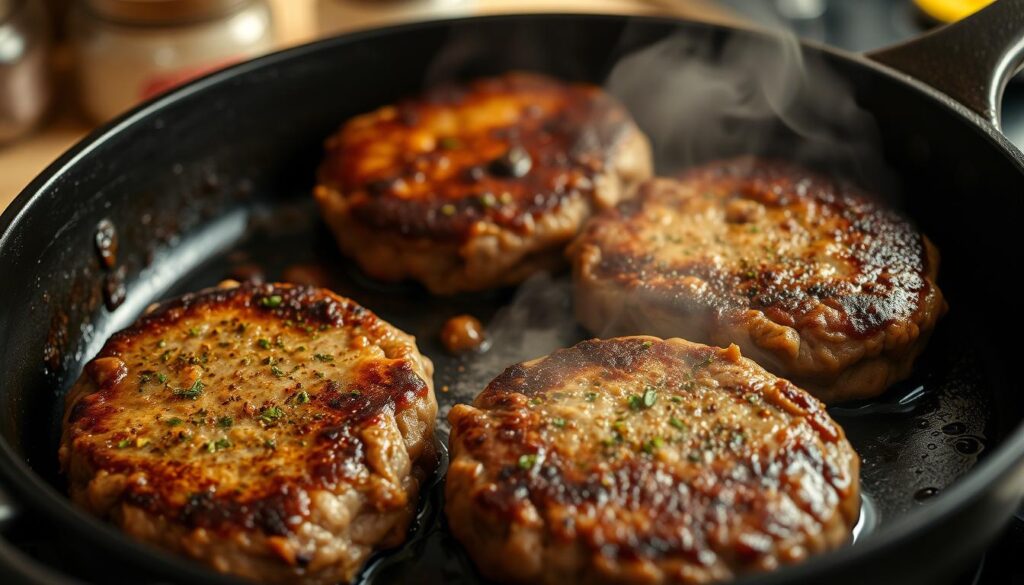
column 162, row 11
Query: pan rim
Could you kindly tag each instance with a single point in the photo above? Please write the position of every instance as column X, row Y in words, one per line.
column 33, row 492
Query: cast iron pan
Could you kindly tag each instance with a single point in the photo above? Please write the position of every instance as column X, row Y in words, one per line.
column 218, row 174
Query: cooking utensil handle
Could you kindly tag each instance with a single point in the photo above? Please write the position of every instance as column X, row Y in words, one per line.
column 970, row 60
column 16, row 566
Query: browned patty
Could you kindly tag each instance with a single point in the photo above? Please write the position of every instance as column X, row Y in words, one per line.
column 473, row 186
column 813, row 280
column 276, row 432
column 637, row 460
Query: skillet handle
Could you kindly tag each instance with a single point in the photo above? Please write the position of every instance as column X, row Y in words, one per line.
column 970, row 61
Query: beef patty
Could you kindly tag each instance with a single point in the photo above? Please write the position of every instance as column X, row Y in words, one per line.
column 276, row 432
column 812, row 279
column 637, row 460
column 474, row 186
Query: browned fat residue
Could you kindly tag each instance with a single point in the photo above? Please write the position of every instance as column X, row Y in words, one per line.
column 463, row 333
column 106, row 243
column 549, row 151
column 114, row 289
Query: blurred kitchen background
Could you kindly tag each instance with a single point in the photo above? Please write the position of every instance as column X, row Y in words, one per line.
column 69, row 65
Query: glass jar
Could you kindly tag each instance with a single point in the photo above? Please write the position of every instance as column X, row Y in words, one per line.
column 24, row 67
column 130, row 50
column 337, row 16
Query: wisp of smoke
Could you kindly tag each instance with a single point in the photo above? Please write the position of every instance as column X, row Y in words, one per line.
column 702, row 96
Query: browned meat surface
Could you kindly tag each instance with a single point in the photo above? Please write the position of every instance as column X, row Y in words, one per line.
column 474, row 186
column 811, row 279
column 276, row 432
column 637, row 460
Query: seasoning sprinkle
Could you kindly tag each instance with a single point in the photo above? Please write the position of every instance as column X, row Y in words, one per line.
column 650, row 397
column 218, row 445
column 527, row 461
column 270, row 414
column 653, row 445
column 191, row 393
column 323, row 357
column 271, row 302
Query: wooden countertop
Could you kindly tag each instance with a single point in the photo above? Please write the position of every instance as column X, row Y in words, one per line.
column 295, row 22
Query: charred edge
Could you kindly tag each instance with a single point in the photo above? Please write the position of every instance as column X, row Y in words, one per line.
column 545, row 155
column 300, row 304
column 886, row 245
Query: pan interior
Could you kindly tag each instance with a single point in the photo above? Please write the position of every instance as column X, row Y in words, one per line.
column 219, row 180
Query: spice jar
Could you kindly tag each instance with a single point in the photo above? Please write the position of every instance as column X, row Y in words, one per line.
column 130, row 50
column 336, row 16
column 24, row 67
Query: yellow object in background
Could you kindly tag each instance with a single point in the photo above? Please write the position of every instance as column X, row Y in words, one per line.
column 950, row 10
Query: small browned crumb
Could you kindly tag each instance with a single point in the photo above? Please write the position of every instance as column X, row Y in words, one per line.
column 463, row 333
column 307, row 274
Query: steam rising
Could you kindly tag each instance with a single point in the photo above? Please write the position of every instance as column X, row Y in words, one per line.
column 702, row 96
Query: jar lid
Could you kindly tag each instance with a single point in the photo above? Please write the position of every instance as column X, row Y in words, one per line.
column 162, row 11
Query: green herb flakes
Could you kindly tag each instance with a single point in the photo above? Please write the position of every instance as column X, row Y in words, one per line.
column 527, row 461
column 653, row 445
column 191, row 393
column 323, row 357
column 218, row 445
column 270, row 415
column 225, row 422
column 650, row 396
column 271, row 302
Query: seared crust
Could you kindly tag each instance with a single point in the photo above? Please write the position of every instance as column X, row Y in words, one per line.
column 276, row 432
column 473, row 186
column 812, row 279
column 637, row 460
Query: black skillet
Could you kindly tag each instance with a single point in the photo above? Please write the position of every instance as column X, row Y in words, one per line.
column 218, row 174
